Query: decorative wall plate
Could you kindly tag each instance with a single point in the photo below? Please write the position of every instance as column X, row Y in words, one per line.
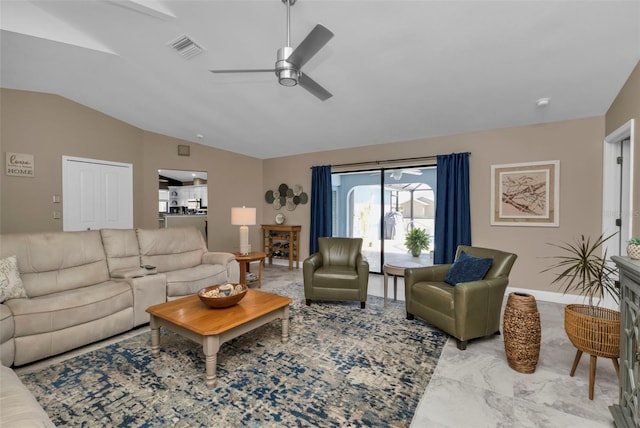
column 269, row 196
column 280, row 218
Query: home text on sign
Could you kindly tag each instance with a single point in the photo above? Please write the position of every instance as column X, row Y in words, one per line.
column 20, row 164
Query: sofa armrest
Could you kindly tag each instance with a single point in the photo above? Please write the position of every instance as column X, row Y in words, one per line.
column 131, row 272
column 147, row 291
column 217, row 258
column 19, row 407
column 225, row 259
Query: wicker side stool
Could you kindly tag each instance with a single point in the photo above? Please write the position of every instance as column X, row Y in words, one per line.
column 521, row 329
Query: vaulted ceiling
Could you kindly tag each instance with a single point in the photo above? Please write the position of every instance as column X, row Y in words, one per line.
column 398, row 70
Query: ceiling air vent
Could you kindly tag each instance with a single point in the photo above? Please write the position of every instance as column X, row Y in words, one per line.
column 186, row 46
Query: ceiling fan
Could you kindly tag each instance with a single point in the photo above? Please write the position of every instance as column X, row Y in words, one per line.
column 289, row 61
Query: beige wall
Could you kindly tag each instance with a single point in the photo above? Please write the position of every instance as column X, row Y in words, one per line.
column 48, row 127
column 577, row 144
column 625, row 107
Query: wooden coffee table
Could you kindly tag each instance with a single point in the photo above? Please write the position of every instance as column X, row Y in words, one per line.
column 191, row 318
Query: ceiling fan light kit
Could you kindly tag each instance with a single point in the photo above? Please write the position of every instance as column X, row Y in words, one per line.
column 289, row 61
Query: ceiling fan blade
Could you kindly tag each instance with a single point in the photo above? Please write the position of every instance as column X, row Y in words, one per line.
column 315, row 40
column 310, row 85
column 257, row 70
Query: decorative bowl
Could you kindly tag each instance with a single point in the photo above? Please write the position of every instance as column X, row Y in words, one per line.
column 222, row 300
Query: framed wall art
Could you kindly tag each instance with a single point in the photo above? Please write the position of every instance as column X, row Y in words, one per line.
column 526, row 194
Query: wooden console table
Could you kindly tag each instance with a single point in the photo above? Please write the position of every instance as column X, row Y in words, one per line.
column 281, row 241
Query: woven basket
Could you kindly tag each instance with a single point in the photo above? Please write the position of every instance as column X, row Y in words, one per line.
column 633, row 251
column 521, row 328
column 593, row 330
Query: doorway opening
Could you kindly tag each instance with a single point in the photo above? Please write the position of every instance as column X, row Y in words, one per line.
column 617, row 196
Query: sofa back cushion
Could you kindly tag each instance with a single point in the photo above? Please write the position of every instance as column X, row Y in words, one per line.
column 171, row 249
column 51, row 262
column 339, row 251
column 121, row 248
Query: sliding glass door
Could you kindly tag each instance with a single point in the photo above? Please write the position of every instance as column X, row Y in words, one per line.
column 381, row 206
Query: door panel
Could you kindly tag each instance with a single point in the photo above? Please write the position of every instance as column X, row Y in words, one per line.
column 96, row 194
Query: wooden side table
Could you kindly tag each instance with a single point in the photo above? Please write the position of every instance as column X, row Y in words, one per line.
column 395, row 269
column 245, row 266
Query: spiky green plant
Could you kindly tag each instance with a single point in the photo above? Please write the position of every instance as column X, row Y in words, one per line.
column 634, row 241
column 584, row 271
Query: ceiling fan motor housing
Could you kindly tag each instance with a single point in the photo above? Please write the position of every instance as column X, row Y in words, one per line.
column 287, row 72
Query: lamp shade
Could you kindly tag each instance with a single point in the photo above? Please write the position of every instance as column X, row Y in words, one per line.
column 243, row 216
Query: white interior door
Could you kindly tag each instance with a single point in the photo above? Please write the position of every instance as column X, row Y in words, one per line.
column 96, row 194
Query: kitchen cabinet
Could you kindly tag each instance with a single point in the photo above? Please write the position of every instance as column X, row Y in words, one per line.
column 281, row 241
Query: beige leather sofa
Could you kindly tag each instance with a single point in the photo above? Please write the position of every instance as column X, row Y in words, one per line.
column 85, row 286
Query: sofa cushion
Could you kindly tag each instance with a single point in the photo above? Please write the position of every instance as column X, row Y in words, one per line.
column 19, row 406
column 467, row 268
column 171, row 249
column 121, row 248
column 69, row 308
column 53, row 262
column 10, row 283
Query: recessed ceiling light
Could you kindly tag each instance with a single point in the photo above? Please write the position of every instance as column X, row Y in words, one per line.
column 199, row 136
column 543, row 102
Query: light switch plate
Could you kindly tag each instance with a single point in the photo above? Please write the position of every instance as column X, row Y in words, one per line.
column 56, row 199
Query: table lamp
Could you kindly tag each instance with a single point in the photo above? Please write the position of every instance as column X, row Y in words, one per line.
column 243, row 217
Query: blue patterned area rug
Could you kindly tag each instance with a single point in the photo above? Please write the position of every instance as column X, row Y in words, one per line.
column 342, row 366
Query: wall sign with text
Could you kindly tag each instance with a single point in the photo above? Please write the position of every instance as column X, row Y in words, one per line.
column 20, row 165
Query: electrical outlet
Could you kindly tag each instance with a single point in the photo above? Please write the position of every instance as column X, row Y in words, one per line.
column 57, row 215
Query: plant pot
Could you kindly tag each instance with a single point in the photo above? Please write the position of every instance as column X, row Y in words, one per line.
column 593, row 330
column 416, row 253
column 633, row 251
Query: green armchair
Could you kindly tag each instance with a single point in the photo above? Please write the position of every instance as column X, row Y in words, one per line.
column 467, row 310
column 336, row 272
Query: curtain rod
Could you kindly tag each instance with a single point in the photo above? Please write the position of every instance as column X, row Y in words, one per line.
column 379, row 162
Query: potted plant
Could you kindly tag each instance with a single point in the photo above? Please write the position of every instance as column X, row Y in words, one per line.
column 633, row 248
column 417, row 240
column 590, row 328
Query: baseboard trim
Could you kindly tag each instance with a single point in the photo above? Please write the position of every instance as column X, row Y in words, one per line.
column 563, row 299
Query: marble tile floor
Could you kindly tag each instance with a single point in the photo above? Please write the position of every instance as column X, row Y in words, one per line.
column 476, row 388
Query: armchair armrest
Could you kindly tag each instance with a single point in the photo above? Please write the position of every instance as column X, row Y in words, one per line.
column 429, row 273
column 362, row 266
column 309, row 266
column 478, row 304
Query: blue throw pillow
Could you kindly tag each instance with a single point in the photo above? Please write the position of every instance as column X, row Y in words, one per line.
column 467, row 268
